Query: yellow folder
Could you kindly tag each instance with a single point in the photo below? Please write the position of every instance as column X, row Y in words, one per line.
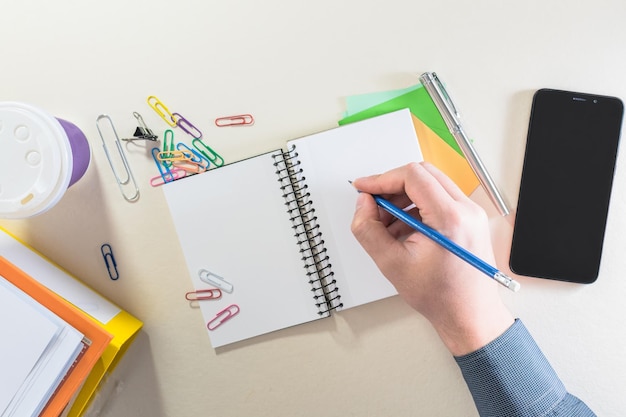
column 117, row 322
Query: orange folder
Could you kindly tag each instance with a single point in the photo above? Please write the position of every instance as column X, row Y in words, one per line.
column 98, row 338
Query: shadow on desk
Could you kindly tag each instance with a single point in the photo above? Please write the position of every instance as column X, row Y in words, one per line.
column 132, row 389
column 344, row 328
column 77, row 223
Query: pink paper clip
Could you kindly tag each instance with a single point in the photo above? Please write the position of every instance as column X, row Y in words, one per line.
column 208, row 294
column 173, row 175
column 223, row 316
column 237, row 120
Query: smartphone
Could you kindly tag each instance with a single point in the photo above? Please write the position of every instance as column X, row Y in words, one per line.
column 565, row 186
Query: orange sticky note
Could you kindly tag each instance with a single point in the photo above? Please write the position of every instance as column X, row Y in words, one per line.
column 441, row 155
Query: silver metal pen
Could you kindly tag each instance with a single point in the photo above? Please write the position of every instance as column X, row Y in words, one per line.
column 451, row 116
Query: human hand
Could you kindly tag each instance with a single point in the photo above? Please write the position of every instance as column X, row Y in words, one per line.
column 462, row 304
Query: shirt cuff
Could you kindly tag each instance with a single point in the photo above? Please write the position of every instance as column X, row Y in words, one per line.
column 510, row 376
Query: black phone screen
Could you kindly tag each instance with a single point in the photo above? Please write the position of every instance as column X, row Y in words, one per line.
column 566, row 184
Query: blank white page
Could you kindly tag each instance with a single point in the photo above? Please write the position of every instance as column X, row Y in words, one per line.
column 26, row 333
column 329, row 160
column 52, row 365
column 233, row 222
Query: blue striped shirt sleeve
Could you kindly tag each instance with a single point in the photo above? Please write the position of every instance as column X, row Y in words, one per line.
column 511, row 377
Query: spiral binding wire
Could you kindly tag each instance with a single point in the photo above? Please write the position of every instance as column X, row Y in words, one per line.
column 307, row 231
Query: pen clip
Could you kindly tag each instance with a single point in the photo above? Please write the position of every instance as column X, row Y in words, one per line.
column 445, row 94
column 440, row 96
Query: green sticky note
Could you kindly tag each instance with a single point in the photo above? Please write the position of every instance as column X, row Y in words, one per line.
column 360, row 102
column 418, row 101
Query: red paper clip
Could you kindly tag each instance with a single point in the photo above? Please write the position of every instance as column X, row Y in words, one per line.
column 237, row 120
column 208, row 294
column 223, row 316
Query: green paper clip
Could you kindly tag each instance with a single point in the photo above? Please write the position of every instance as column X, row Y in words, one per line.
column 168, row 146
column 209, row 153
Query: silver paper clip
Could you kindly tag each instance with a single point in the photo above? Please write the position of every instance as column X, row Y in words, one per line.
column 142, row 132
column 215, row 280
column 129, row 180
column 109, row 261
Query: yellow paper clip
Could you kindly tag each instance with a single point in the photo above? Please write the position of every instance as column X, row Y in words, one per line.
column 158, row 106
column 129, row 180
column 208, row 153
column 174, row 155
column 223, row 316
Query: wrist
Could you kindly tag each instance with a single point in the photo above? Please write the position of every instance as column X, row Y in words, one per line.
column 469, row 333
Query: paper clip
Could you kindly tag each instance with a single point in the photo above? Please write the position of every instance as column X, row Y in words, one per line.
column 168, row 144
column 208, row 294
column 237, row 120
column 188, row 166
column 223, row 316
column 129, row 175
column 164, row 169
column 175, row 174
column 187, row 127
column 158, row 106
column 142, row 132
column 208, row 153
column 174, row 155
column 109, row 261
column 196, row 157
column 215, row 280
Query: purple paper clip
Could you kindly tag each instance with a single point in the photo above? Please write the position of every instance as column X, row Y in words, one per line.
column 187, row 127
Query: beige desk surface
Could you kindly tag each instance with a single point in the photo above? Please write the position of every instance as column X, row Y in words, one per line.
column 291, row 64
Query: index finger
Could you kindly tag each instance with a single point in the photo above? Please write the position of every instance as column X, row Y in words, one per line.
column 420, row 182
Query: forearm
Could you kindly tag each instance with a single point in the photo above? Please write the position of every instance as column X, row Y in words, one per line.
column 511, row 377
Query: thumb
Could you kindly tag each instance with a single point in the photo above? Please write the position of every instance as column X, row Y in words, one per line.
column 371, row 233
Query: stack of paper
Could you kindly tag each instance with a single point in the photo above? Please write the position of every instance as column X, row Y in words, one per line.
column 59, row 337
column 38, row 352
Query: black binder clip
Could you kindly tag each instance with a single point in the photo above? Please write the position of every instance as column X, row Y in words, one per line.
column 142, row 132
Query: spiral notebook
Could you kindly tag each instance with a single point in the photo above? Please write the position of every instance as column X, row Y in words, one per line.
column 275, row 228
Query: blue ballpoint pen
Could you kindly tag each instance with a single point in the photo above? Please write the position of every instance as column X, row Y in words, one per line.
column 446, row 243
